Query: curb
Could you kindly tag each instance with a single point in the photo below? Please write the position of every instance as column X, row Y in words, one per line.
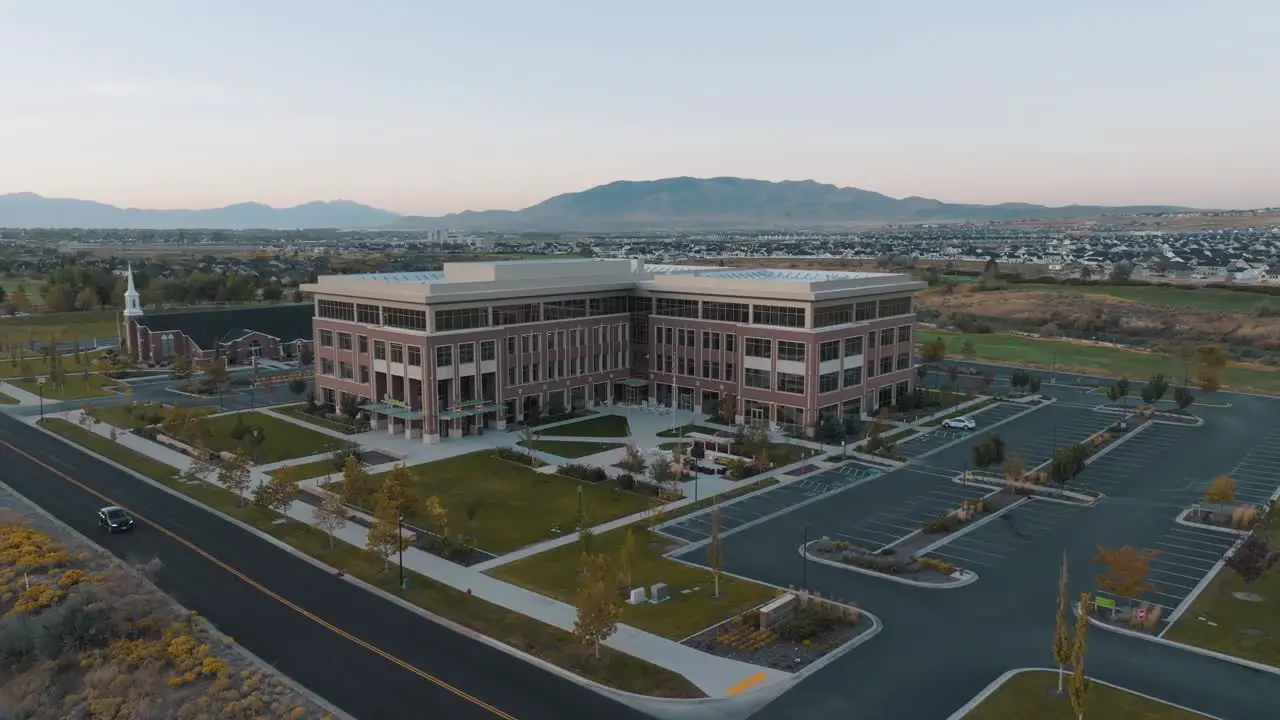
column 289, row 682
column 972, row 526
column 1084, row 501
column 1181, row 519
column 1208, row 577
column 1004, row 678
column 1199, row 421
column 654, row 705
column 1251, row 664
column 969, row 578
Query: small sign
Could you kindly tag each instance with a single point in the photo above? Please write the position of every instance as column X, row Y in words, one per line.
column 1104, row 602
column 1142, row 613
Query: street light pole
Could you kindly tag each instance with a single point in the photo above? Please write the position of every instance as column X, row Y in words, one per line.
column 804, row 561
column 40, row 386
column 400, row 546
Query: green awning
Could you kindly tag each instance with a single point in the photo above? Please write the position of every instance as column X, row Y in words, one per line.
column 392, row 410
column 635, row 382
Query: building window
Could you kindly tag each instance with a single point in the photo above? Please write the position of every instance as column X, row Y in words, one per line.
column 778, row 315
column 511, row 344
column 369, row 314
column 788, row 350
column 871, row 340
column 829, row 382
column 326, row 366
column 904, row 333
column 444, row 355
column 791, row 383
column 711, row 369
column 516, row 314
column 666, row 364
column 524, row 374
column 759, row 347
column 853, row 346
column 524, row 344
column 726, row 312
column 829, row 350
column 564, row 309
column 487, row 350
column 886, row 337
column 379, row 350
column 404, row 319
column 895, row 306
column 551, row 341
column 397, row 353
column 667, row 335
column 676, row 307
column 511, row 375
column 364, row 345
column 415, row 356
column 730, row 372
column 466, row 353
column 536, row 375
column 536, row 341
column 344, row 341
column 710, row 341
column 730, row 342
column 752, row 377
column 462, row 319
column 345, row 371
column 612, row 305
column 904, row 361
column 835, row 315
column 326, row 338
column 335, row 310
column 852, row 376
column 865, row 311
column 364, row 373
column 886, row 365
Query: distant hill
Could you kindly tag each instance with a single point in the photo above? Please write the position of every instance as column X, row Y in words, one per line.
column 729, row 202
column 670, row 204
column 31, row 210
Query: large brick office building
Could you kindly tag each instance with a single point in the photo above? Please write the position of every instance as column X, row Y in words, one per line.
column 435, row 354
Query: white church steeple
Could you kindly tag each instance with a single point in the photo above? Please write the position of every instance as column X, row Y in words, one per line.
column 132, row 300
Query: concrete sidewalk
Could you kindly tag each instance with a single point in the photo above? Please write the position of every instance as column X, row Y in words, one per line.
column 717, row 677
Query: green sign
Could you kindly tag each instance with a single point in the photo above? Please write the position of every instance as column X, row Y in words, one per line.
column 1105, row 602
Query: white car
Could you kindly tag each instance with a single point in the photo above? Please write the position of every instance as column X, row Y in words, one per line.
column 960, row 423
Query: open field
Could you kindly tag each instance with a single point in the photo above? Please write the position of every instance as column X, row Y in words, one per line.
column 65, row 326
column 122, row 416
column 1215, row 299
column 556, row 646
column 503, row 506
column 555, row 573
column 297, row 411
column 74, row 387
column 1033, row 696
column 1108, row 361
column 283, row 440
column 34, row 288
column 11, row 365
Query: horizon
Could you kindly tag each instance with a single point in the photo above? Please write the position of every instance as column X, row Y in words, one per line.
column 430, row 109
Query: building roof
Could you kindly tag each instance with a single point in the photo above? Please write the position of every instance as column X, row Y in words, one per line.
column 209, row 326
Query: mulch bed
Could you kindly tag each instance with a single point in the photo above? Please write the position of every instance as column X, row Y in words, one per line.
column 779, row 654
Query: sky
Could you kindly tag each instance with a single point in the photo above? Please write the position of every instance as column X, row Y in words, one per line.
column 429, row 107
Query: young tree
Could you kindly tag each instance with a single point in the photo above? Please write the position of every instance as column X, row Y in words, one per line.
column 297, row 386
column 598, row 606
column 1080, row 685
column 278, row 491
column 355, row 480
column 982, row 455
column 528, row 436
column 235, row 475
column 632, row 460
column 1221, row 489
column 1122, row 389
column 934, row 350
column 330, row 514
column 1183, row 397
column 715, row 551
column 436, row 518
column 400, row 489
column 1061, row 630
column 1014, row 469
column 216, row 372
column 383, row 538
column 627, row 554
column 181, row 366
column 1127, row 570
column 967, row 348
column 1253, row 558
column 1113, row 393
column 1159, row 385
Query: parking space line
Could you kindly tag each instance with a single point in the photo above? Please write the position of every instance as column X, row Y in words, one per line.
column 1198, row 568
column 1181, row 575
column 1186, row 549
column 965, row 548
column 1215, row 545
column 1170, row 583
column 1184, row 530
column 881, row 522
column 958, row 559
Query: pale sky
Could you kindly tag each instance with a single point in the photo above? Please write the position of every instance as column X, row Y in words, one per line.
column 425, row 106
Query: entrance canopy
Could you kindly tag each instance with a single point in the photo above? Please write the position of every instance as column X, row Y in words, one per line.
column 394, row 411
column 470, row 408
column 634, row 382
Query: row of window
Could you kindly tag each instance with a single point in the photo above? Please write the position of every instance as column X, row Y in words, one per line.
column 786, row 349
column 399, row 352
column 861, row 312
column 395, row 317
column 688, row 337
column 566, row 339
column 711, row 369
column 785, row 382
column 830, row 350
column 776, row 315
column 563, row 368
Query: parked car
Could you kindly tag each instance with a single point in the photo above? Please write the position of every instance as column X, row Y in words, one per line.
column 115, row 519
column 960, row 423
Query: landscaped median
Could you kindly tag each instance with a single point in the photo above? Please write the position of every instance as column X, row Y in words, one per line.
column 1031, row 694
column 614, row 669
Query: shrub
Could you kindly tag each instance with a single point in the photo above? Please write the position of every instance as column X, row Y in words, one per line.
column 941, row 524
column 806, row 626
column 928, row 563
column 585, row 473
column 625, row 481
column 517, row 457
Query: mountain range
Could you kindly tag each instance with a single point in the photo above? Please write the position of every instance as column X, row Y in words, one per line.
column 668, row 204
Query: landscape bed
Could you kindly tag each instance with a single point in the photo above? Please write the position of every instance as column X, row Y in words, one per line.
column 1033, row 695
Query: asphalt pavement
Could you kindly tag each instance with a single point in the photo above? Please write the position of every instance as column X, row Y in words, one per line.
column 368, row 656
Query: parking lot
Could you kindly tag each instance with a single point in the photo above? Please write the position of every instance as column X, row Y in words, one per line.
column 736, row 513
column 939, row 436
column 1003, row 537
column 906, row 516
column 1186, row 555
column 1258, row 474
column 1068, row 428
column 1123, row 468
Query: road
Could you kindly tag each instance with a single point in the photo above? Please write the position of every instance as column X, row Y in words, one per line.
column 366, row 655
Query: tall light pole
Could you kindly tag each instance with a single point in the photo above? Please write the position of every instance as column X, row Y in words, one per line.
column 40, row 386
column 804, row 561
column 400, row 545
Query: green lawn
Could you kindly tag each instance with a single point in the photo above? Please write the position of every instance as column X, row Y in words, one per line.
column 7, row 400
column 315, row 469
column 1033, row 696
column 1176, row 297
column 122, row 416
column 603, row 426
column 75, row 387
column 1105, row 361
column 296, row 411
column 34, row 289
column 66, row 326
column 1232, row 617
column 283, row 440
column 555, row 573
column 503, row 506
column 568, row 448
column 556, row 646
column 676, row 432
column 11, row 365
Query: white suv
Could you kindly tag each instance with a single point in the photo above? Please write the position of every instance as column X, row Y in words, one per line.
column 960, row 423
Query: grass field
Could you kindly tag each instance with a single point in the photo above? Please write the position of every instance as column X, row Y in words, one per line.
column 314, row 469
column 569, row 448
column 503, row 506
column 119, row 415
column 65, row 326
column 1096, row 360
column 7, row 400
column 555, row 573
column 603, row 426
column 1242, row 628
column 11, row 366
column 34, row 288
column 75, row 387
column 283, row 440
column 1033, row 696
column 296, row 411
column 553, row 645
column 1175, row 297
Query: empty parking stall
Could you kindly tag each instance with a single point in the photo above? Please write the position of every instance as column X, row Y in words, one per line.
column 1257, row 475
column 734, row 514
column 885, row 527
column 940, row 436
column 1186, row 554
column 1057, row 429
column 1004, row 536
column 1126, row 465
